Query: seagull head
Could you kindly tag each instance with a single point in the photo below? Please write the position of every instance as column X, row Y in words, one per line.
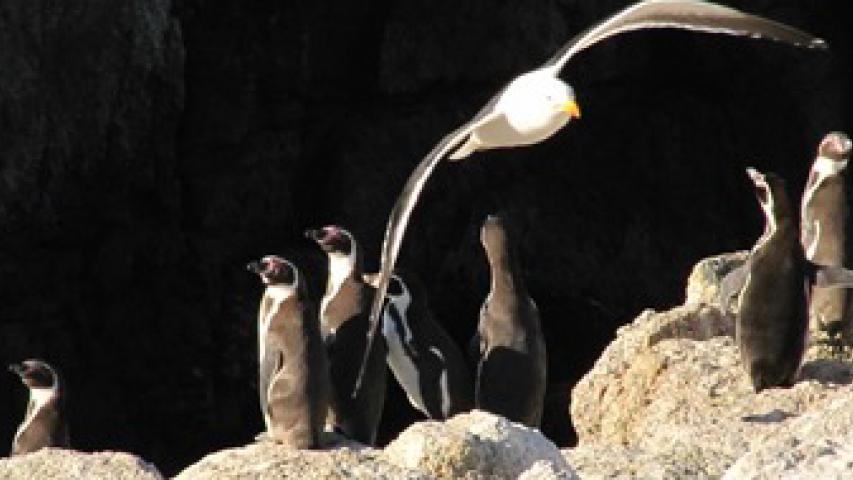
column 537, row 104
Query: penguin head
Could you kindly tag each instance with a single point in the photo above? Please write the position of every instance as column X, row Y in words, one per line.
column 772, row 195
column 396, row 287
column 35, row 373
column 835, row 146
column 333, row 240
column 493, row 233
column 275, row 270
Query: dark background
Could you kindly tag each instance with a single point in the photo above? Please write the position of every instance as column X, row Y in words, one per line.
column 149, row 149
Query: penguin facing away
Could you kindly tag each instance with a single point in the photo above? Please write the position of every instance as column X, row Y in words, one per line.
column 44, row 424
column 823, row 220
column 344, row 324
column 293, row 379
column 772, row 319
column 511, row 372
column 426, row 362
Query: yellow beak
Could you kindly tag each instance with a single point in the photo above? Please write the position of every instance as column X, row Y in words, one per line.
column 571, row 107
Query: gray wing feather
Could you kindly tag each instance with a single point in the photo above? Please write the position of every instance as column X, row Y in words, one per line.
column 827, row 276
column 732, row 284
column 693, row 15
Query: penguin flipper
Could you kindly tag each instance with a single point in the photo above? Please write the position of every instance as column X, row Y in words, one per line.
column 270, row 364
column 831, row 276
column 732, row 284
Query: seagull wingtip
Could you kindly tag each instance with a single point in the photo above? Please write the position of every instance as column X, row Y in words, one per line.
column 819, row 43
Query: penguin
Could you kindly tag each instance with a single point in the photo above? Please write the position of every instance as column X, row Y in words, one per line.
column 823, row 214
column 44, row 424
column 511, row 371
column 293, row 377
column 772, row 319
column 426, row 362
column 344, row 312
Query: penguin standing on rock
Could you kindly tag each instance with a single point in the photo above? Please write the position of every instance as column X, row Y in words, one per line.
column 511, row 373
column 293, row 380
column 823, row 220
column 423, row 358
column 44, row 423
column 772, row 319
column 344, row 324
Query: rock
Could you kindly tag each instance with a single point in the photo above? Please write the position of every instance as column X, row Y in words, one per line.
column 477, row 444
column 56, row 464
column 816, row 445
column 669, row 398
column 703, row 284
column 599, row 462
column 606, row 401
column 267, row 460
column 544, row 470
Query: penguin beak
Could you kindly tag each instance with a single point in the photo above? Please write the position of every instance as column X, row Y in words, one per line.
column 571, row 107
column 254, row 267
column 755, row 175
column 312, row 234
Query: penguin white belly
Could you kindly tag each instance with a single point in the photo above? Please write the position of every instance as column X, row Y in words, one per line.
column 38, row 399
column 402, row 366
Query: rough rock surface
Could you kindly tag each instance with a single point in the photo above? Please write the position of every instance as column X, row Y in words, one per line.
column 57, row 464
column 704, row 282
column 266, row 460
column 815, row 445
column 477, row 444
column 669, row 398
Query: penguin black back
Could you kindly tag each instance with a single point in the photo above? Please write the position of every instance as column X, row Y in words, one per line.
column 511, row 372
column 344, row 317
column 426, row 362
column 772, row 314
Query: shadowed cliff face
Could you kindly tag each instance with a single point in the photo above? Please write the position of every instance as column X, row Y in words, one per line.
column 149, row 148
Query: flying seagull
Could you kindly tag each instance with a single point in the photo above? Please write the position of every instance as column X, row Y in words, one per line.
column 536, row 104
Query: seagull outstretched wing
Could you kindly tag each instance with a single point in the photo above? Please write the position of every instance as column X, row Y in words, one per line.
column 681, row 14
column 695, row 15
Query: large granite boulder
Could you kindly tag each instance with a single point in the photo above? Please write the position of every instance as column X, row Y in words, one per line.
column 267, row 460
column 818, row 444
column 669, row 398
column 477, row 444
column 58, row 464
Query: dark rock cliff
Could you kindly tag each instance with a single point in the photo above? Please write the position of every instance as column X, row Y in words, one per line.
column 148, row 149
